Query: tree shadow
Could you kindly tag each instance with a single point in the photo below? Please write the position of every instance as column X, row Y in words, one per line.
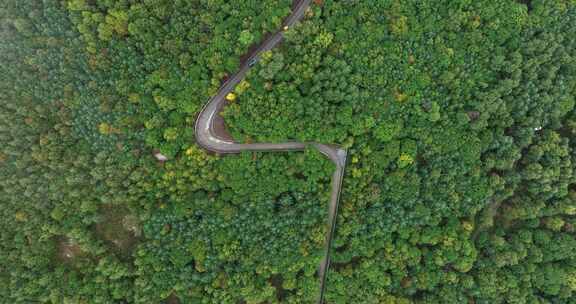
column 528, row 4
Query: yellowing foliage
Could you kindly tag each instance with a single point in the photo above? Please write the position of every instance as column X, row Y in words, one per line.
column 231, row 97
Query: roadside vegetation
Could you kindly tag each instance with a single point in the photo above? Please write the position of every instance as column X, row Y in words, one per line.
column 459, row 117
column 90, row 91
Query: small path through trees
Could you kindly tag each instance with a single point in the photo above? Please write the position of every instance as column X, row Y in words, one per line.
column 211, row 135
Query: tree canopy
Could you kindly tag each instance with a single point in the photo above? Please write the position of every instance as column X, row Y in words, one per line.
column 459, row 118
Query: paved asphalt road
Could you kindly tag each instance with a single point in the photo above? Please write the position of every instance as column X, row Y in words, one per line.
column 207, row 136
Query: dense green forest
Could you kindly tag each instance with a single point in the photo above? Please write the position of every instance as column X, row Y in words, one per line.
column 459, row 117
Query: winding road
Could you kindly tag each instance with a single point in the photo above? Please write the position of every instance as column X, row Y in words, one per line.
column 211, row 135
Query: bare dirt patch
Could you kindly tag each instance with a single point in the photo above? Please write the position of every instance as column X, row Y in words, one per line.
column 172, row 299
column 119, row 229
column 67, row 250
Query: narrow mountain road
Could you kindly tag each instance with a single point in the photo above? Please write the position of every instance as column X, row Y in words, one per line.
column 214, row 138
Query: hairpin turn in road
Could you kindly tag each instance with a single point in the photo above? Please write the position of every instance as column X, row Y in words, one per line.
column 216, row 140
